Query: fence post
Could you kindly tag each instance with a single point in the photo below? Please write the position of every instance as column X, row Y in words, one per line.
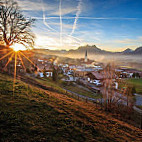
column 101, row 103
column 141, row 121
column 28, row 90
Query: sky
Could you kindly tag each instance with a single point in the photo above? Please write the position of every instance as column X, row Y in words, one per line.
column 112, row 25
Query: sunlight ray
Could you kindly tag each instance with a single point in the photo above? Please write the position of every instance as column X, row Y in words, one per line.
column 28, row 59
column 4, row 50
column 5, row 55
column 10, row 58
column 21, row 61
column 15, row 69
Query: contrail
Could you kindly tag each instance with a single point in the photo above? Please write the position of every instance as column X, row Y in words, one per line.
column 77, row 16
column 61, row 24
column 77, row 39
column 44, row 18
column 90, row 18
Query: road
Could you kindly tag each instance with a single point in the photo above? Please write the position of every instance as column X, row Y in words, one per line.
column 138, row 99
column 118, row 96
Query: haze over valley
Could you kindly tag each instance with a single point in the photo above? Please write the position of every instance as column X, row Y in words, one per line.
column 129, row 58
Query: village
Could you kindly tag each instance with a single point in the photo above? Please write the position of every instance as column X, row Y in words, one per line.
column 88, row 72
column 97, row 77
column 94, row 75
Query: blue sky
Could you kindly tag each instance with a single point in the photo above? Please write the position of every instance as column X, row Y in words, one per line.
column 67, row 24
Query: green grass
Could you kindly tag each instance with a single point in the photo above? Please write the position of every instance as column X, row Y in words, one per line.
column 137, row 83
column 50, row 83
column 25, row 115
column 32, row 114
column 140, row 107
column 82, row 91
column 74, row 88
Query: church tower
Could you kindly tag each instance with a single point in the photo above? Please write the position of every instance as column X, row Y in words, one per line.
column 86, row 59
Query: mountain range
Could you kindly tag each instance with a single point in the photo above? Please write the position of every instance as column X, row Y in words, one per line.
column 95, row 50
column 92, row 50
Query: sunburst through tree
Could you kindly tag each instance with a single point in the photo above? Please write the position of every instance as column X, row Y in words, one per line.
column 15, row 55
column 15, row 35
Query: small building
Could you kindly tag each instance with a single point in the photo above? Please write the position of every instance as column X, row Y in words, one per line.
column 45, row 69
column 82, row 72
column 49, row 73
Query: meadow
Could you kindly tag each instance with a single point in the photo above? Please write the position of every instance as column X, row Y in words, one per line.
column 34, row 114
column 137, row 83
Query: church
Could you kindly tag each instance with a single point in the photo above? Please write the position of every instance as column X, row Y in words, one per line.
column 86, row 62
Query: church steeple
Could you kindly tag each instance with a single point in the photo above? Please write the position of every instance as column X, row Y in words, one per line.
column 86, row 56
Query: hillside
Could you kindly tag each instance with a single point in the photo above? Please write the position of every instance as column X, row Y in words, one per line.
column 127, row 51
column 138, row 51
column 35, row 114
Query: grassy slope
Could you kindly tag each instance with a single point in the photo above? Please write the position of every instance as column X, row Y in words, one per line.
column 82, row 91
column 32, row 114
column 74, row 88
column 48, row 82
column 134, row 82
column 137, row 83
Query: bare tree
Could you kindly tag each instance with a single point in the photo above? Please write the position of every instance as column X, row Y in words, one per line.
column 14, row 27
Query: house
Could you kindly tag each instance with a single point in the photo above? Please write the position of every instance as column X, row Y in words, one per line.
column 71, row 78
column 44, row 69
column 49, row 73
column 127, row 73
column 98, row 68
column 82, row 72
column 94, row 76
column 41, row 74
column 101, row 75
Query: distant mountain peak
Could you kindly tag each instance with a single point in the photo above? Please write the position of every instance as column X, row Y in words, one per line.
column 138, row 50
column 128, row 50
column 89, row 47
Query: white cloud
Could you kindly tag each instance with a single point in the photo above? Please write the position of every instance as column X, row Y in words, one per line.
column 50, row 8
column 32, row 5
column 65, row 11
column 130, row 41
column 53, row 42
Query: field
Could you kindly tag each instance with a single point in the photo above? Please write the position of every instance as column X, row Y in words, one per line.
column 82, row 91
column 60, row 86
column 137, row 83
column 34, row 114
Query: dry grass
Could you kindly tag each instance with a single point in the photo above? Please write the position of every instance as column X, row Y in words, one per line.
column 33, row 114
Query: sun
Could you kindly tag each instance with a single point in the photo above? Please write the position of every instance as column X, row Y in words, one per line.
column 17, row 47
